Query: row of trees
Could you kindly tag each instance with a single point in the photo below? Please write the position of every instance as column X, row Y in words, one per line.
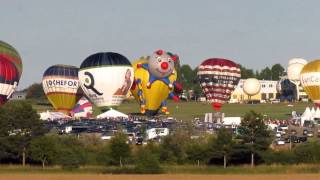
column 23, row 139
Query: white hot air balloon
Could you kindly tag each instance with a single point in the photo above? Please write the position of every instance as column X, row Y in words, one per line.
column 251, row 86
column 294, row 68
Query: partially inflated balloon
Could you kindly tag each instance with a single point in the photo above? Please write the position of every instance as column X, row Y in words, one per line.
column 106, row 78
column 310, row 80
column 9, row 53
column 61, row 85
column 218, row 79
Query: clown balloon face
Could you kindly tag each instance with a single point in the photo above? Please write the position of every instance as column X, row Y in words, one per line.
column 161, row 64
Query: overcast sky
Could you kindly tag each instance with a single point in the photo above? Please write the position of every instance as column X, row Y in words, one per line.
column 253, row 33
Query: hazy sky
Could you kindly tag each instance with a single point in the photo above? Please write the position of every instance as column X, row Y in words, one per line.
column 254, row 33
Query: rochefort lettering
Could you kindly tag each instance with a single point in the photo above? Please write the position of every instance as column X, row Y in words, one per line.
column 62, row 82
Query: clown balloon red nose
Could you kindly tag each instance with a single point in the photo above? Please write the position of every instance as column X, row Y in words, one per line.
column 164, row 65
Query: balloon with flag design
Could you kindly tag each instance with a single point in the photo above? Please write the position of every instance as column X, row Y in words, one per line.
column 83, row 109
column 218, row 78
column 61, row 85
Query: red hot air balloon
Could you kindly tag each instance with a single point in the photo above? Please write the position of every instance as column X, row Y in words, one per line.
column 218, row 79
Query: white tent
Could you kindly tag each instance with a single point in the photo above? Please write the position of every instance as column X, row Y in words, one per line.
column 313, row 111
column 307, row 115
column 317, row 114
column 112, row 114
column 53, row 115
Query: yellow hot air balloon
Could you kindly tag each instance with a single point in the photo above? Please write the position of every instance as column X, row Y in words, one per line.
column 155, row 79
column 310, row 80
column 61, row 84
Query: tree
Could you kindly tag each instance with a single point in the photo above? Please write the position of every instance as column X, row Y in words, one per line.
column 246, row 73
column 253, row 131
column 277, row 70
column 147, row 162
column 265, row 74
column 119, row 149
column 20, row 123
column 222, row 145
column 187, row 76
column 35, row 91
column 44, row 149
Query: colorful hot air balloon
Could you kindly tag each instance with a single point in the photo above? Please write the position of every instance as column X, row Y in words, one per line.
column 61, row 85
column 155, row 80
column 83, row 109
column 106, row 78
column 310, row 80
column 218, row 79
column 9, row 53
column 10, row 71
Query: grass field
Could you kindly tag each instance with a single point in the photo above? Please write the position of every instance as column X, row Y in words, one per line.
column 158, row 177
column 190, row 110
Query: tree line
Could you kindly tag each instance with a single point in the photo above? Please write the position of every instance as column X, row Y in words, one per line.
column 24, row 139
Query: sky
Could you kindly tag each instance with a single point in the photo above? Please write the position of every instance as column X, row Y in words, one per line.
column 252, row 33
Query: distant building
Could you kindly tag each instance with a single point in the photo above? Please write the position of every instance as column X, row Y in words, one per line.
column 19, row 95
column 268, row 92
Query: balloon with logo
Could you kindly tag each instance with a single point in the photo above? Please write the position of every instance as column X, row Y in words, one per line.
column 10, row 71
column 106, row 78
column 310, row 80
column 61, row 86
column 218, row 79
column 155, row 81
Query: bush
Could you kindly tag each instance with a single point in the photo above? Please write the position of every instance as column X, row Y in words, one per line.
column 282, row 157
column 147, row 162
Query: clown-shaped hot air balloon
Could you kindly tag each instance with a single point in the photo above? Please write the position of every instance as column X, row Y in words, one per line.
column 218, row 79
column 61, row 85
column 155, row 80
column 106, row 78
column 10, row 71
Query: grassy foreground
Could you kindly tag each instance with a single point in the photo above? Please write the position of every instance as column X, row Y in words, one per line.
column 171, row 169
column 190, row 110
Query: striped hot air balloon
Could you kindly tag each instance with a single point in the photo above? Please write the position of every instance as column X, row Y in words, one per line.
column 61, row 85
column 9, row 53
column 218, row 79
column 10, row 71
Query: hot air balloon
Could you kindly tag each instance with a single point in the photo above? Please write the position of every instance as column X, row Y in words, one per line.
column 11, row 54
column 310, row 80
column 218, row 79
column 83, row 109
column 294, row 68
column 106, row 78
column 155, row 81
column 61, row 85
column 10, row 71
column 251, row 86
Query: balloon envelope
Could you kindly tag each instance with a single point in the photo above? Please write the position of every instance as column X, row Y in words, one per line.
column 155, row 95
column 60, row 83
column 106, row 78
column 294, row 68
column 310, row 80
column 9, row 53
column 9, row 79
column 218, row 79
column 251, row 86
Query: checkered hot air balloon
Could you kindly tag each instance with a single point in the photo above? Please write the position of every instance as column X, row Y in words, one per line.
column 218, row 78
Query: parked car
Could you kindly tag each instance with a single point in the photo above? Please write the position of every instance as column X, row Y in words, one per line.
column 275, row 101
column 303, row 138
column 310, row 134
column 280, row 142
column 305, row 132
